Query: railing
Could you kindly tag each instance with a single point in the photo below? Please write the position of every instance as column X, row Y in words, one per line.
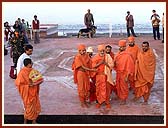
column 48, row 28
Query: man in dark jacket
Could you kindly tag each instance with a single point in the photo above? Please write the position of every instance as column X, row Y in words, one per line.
column 88, row 19
column 130, row 24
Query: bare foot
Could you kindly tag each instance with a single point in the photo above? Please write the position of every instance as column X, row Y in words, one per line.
column 84, row 105
column 115, row 98
column 98, row 105
column 108, row 106
column 123, row 102
column 135, row 99
column 145, row 103
column 25, row 121
column 34, row 122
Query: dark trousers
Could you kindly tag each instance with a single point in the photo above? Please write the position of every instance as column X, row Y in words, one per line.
column 163, row 34
column 156, row 32
column 132, row 31
column 15, row 59
column 36, row 37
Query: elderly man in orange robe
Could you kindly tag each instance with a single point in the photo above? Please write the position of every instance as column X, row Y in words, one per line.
column 104, row 64
column 81, row 66
column 28, row 92
column 133, row 49
column 125, row 67
column 144, row 72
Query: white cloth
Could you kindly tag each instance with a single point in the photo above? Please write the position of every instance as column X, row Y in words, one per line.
column 108, row 71
column 20, row 64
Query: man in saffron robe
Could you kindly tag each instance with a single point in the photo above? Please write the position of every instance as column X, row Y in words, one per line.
column 103, row 63
column 133, row 49
column 144, row 72
column 81, row 66
column 125, row 67
column 28, row 92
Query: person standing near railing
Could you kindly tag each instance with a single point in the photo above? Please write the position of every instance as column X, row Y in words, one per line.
column 130, row 24
column 155, row 24
column 88, row 19
column 36, row 29
column 163, row 28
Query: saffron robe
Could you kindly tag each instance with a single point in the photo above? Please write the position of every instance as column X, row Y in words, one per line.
column 144, row 72
column 134, row 52
column 81, row 78
column 103, row 78
column 29, row 94
column 124, row 67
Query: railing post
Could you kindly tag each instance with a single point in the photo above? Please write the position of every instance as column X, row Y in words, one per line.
column 110, row 30
column 121, row 30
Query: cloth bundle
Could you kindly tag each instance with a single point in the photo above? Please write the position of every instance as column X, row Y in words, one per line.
column 36, row 77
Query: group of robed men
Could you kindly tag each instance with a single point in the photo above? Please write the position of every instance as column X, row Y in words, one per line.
column 134, row 67
column 93, row 76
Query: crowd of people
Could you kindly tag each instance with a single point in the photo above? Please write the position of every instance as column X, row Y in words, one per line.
column 155, row 20
column 134, row 67
column 26, row 82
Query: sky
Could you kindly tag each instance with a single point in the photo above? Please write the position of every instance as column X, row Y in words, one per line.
column 73, row 12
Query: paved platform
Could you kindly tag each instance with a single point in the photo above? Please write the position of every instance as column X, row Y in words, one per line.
column 58, row 93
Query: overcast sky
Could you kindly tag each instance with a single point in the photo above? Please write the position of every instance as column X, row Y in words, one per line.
column 73, row 12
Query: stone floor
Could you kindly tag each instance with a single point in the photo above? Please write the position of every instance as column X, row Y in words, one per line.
column 58, row 93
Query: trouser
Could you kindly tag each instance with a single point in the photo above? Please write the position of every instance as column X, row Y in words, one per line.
column 132, row 31
column 36, row 37
column 163, row 33
column 156, row 32
column 15, row 59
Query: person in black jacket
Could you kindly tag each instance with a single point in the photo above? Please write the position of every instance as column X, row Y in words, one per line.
column 88, row 19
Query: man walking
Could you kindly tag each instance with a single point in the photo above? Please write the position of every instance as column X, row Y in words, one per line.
column 104, row 64
column 144, row 73
column 133, row 49
column 28, row 51
column 81, row 67
column 28, row 92
column 125, row 67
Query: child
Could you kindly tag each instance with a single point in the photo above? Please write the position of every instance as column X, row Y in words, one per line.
column 29, row 92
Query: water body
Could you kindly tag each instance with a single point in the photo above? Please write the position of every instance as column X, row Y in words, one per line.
column 104, row 28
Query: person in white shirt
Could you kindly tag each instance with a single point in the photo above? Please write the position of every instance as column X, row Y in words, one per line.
column 28, row 51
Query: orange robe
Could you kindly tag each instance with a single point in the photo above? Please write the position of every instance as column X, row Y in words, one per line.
column 81, row 78
column 134, row 52
column 124, row 66
column 103, row 85
column 29, row 94
column 93, row 89
column 144, row 73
